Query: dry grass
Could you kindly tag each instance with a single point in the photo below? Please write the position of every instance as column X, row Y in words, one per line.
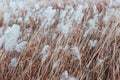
column 89, row 67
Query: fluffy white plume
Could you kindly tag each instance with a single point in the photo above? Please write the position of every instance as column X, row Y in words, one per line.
column 64, row 75
column 21, row 46
column 92, row 43
column 76, row 52
column 45, row 52
column 13, row 62
column 11, row 36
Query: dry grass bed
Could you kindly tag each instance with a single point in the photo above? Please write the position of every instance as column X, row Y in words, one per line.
column 70, row 47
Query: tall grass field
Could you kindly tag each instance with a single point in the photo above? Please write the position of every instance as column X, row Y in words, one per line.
column 59, row 39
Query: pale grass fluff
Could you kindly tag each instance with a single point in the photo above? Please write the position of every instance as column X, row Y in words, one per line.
column 65, row 76
column 37, row 6
column 103, row 31
column 66, row 47
column 13, row 62
column 95, row 10
column 13, row 5
column 70, row 13
column 65, row 20
column 21, row 5
column 76, row 52
column 117, row 14
column 114, row 3
column 12, row 32
column 92, row 43
column 62, row 15
column 20, row 19
column 54, row 36
column 56, row 64
column 21, row 46
column 48, row 16
column 27, row 32
column 27, row 17
column 59, row 49
column 78, row 14
column 45, row 53
column 11, row 36
column 66, row 15
column 92, row 22
column 60, row 3
column 65, row 28
column 109, row 13
column 90, row 31
column 6, row 17
column 85, row 5
column 106, row 18
column 100, row 61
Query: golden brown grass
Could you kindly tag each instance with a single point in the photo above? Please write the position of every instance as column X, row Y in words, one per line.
column 30, row 66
